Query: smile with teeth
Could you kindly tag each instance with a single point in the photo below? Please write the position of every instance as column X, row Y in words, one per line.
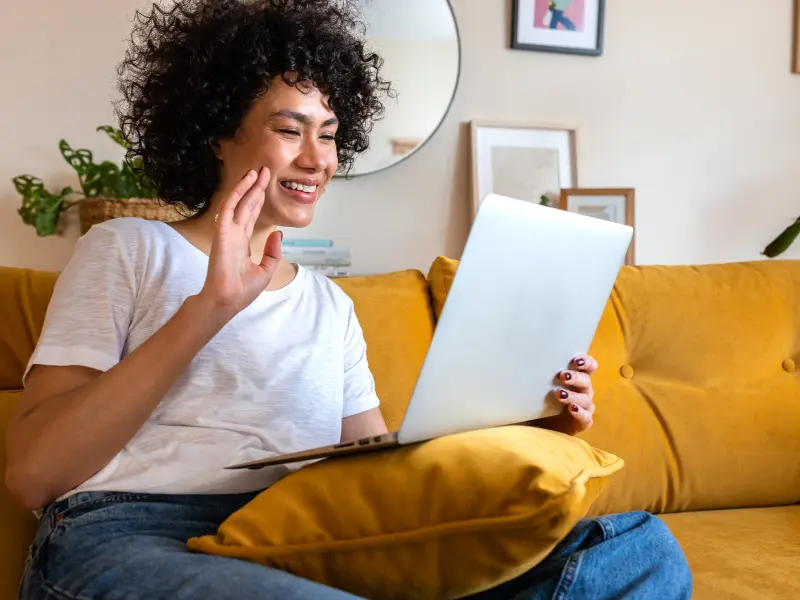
column 293, row 185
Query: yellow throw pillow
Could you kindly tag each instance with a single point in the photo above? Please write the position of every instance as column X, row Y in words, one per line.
column 440, row 279
column 441, row 519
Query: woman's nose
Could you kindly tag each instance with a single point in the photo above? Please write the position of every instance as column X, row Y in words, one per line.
column 312, row 156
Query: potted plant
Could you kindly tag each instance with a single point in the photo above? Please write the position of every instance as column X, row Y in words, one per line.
column 106, row 191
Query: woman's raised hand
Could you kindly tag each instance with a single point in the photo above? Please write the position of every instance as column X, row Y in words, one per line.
column 233, row 280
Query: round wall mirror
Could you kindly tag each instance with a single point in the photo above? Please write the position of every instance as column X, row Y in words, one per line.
column 418, row 40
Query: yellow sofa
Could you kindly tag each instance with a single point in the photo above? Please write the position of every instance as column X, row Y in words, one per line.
column 697, row 391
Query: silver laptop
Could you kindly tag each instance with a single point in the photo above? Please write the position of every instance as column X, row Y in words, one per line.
column 529, row 292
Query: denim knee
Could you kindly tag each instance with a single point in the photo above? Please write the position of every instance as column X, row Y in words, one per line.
column 671, row 559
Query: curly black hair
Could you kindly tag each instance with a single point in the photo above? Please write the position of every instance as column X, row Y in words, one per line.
column 191, row 73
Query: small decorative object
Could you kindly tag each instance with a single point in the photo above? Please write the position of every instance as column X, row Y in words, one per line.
column 524, row 161
column 563, row 26
column 609, row 204
column 402, row 146
column 306, row 243
column 781, row 243
column 796, row 45
column 107, row 191
column 318, row 255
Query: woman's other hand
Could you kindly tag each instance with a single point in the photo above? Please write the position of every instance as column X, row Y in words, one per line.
column 577, row 395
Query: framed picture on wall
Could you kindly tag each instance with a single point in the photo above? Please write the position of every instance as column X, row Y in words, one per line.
column 609, row 204
column 563, row 26
column 796, row 45
column 526, row 161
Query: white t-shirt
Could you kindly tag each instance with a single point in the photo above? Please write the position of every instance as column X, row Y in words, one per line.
column 277, row 378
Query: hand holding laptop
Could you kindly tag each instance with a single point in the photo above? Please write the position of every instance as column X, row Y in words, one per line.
column 577, row 395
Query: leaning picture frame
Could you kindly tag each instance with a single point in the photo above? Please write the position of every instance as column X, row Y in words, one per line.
column 526, row 161
column 561, row 26
column 610, row 204
column 796, row 44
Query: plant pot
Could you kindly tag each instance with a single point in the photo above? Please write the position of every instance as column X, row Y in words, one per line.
column 97, row 210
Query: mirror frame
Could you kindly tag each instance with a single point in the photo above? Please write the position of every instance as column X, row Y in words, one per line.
column 446, row 112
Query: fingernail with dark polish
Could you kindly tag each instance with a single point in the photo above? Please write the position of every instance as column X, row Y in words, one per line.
column 563, row 395
column 580, row 362
column 281, row 234
column 567, row 375
column 573, row 407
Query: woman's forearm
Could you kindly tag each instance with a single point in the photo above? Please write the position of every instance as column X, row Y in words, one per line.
column 58, row 441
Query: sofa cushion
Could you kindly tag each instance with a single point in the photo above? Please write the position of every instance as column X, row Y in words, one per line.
column 17, row 524
column 395, row 313
column 440, row 519
column 741, row 554
column 24, row 295
column 697, row 388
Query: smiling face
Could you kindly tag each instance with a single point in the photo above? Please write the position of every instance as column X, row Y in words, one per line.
column 291, row 131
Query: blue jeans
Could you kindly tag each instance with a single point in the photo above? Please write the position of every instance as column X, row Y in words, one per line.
column 133, row 546
column 558, row 17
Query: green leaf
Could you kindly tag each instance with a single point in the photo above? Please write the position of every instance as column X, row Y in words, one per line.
column 28, row 211
column 28, row 185
column 47, row 221
column 101, row 180
column 781, row 243
column 80, row 160
column 116, row 135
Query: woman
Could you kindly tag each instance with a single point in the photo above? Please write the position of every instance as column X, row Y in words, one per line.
column 170, row 352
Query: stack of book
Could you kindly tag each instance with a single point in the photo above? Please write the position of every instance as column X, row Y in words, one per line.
column 318, row 255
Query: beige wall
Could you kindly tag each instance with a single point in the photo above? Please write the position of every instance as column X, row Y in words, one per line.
column 693, row 104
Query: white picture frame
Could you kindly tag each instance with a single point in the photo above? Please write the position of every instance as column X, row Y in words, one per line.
column 522, row 160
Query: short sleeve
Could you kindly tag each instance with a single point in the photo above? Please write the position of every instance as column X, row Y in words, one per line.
column 90, row 311
column 359, row 385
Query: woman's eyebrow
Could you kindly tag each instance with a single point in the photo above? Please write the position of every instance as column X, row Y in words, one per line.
column 302, row 117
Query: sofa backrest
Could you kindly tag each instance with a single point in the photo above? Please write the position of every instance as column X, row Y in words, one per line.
column 24, row 295
column 697, row 388
column 394, row 311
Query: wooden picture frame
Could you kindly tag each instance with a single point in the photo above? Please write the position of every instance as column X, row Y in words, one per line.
column 796, row 44
column 527, row 33
column 509, row 147
column 612, row 211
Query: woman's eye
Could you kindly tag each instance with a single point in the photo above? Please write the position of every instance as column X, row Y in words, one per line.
column 328, row 137
column 289, row 131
